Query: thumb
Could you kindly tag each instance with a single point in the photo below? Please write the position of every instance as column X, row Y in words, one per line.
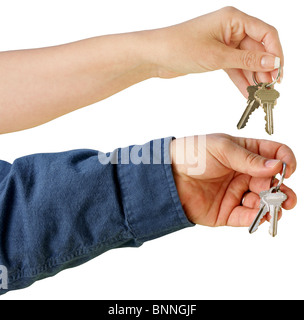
column 258, row 61
column 245, row 161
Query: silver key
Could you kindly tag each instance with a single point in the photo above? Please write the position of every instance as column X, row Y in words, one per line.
column 271, row 201
column 252, row 104
column 274, row 201
column 264, row 208
column 267, row 96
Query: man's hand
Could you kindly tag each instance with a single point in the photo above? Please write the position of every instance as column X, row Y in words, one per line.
column 225, row 39
column 233, row 167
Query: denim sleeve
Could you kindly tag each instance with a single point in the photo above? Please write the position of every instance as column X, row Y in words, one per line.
column 59, row 210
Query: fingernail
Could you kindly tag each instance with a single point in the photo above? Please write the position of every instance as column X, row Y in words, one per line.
column 271, row 163
column 270, row 62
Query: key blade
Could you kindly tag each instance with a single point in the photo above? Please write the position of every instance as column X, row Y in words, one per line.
column 274, row 213
column 257, row 220
column 274, row 201
column 252, row 105
column 268, row 108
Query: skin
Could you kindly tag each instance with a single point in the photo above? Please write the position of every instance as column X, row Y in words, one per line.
column 234, row 166
column 39, row 85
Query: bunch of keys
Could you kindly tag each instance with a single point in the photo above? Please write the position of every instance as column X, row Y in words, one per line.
column 271, row 201
column 264, row 95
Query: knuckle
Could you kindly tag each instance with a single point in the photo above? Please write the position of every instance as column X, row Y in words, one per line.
column 251, row 158
column 224, row 142
column 249, row 59
column 224, row 149
column 273, row 30
column 230, row 10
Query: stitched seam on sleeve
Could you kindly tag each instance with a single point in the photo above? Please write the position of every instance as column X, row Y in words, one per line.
column 125, row 194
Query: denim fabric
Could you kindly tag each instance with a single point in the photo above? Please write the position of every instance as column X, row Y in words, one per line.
column 59, row 210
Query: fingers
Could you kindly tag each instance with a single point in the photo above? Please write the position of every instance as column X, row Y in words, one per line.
column 259, row 150
column 291, row 201
column 252, row 198
column 243, row 160
column 255, row 157
column 250, row 44
column 249, row 60
column 242, row 217
column 254, row 162
column 267, row 53
column 256, row 185
column 266, row 34
column 241, row 206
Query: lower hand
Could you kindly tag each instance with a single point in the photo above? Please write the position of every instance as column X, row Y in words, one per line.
column 233, row 167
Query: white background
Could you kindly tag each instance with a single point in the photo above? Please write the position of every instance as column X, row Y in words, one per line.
column 195, row 263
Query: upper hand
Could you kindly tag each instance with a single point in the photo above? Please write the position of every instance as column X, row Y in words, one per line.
column 225, row 39
column 216, row 170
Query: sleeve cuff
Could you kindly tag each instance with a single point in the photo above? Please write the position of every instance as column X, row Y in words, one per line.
column 150, row 199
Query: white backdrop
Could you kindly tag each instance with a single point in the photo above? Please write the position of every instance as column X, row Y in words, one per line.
column 195, row 263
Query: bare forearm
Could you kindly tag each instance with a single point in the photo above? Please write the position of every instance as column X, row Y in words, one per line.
column 42, row 84
column 38, row 85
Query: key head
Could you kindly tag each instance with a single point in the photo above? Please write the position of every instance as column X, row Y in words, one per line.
column 265, row 94
column 263, row 197
column 274, row 199
column 251, row 91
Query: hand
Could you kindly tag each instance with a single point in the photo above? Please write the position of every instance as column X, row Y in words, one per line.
column 233, row 166
column 225, row 39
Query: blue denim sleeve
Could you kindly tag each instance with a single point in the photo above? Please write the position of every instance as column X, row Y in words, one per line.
column 59, row 210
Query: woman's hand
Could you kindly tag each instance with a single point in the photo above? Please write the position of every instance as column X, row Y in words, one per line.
column 213, row 172
column 67, row 77
column 225, row 39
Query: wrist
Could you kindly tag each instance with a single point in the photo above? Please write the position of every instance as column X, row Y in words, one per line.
column 146, row 52
column 159, row 51
column 178, row 176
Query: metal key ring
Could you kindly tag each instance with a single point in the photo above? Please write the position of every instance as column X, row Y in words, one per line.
column 277, row 188
column 270, row 84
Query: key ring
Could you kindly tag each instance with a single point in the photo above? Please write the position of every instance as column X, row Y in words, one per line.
column 277, row 188
column 270, row 84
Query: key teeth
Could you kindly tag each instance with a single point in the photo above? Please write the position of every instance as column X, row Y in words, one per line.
column 244, row 123
column 256, row 222
column 266, row 127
